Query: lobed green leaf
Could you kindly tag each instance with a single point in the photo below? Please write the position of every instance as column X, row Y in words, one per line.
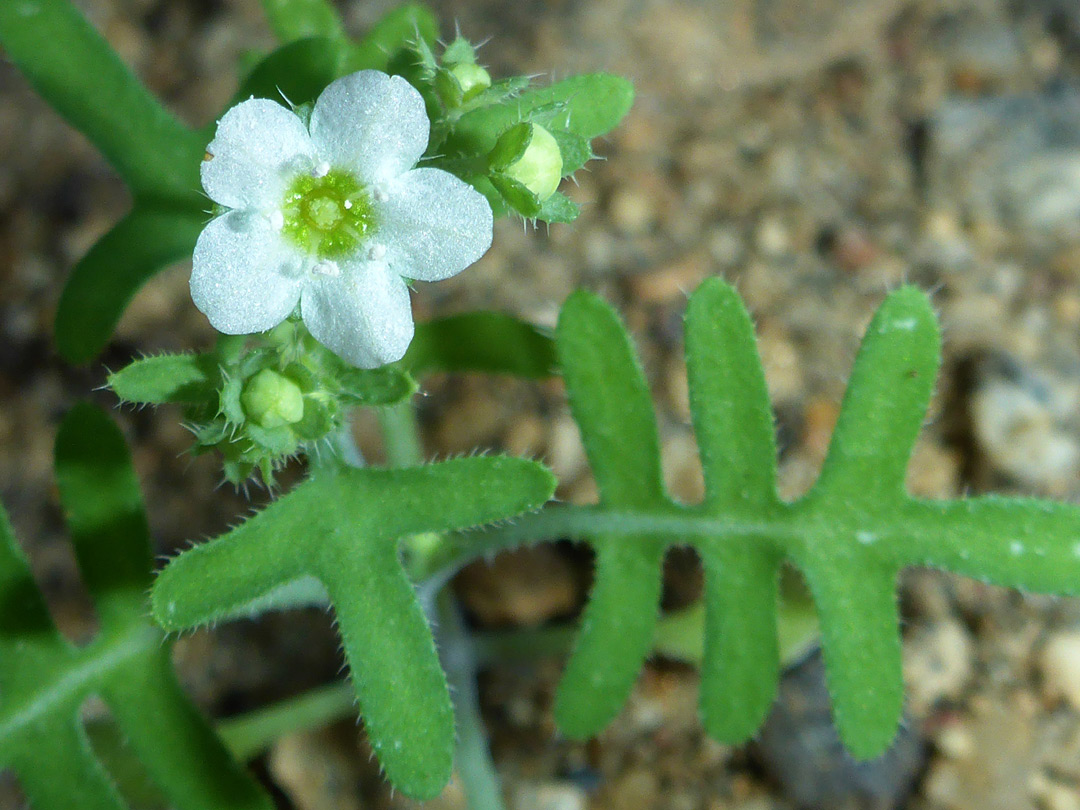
column 849, row 536
column 341, row 530
column 484, row 342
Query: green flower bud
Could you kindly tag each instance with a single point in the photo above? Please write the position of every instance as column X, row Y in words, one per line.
column 271, row 400
column 471, row 78
column 529, row 154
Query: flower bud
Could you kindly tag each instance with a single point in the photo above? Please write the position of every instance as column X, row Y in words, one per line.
column 270, row 400
column 529, row 154
column 471, row 78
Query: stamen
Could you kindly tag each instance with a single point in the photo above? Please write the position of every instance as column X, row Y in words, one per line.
column 327, row 267
column 321, row 170
column 379, row 195
column 377, row 252
column 277, row 220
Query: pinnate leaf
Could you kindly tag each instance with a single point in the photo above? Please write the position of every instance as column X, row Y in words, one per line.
column 44, row 680
column 849, row 536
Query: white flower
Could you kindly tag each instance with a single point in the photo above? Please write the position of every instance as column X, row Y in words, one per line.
column 332, row 216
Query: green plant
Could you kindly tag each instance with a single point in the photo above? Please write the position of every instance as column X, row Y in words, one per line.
column 377, row 545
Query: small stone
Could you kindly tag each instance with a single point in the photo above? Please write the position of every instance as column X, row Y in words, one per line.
column 522, row 588
column 672, row 282
column 772, row 237
column 938, row 664
column 632, row 211
column 550, row 796
column 1060, row 666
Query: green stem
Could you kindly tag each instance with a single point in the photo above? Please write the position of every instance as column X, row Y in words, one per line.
column 401, row 436
column 472, row 755
column 250, row 734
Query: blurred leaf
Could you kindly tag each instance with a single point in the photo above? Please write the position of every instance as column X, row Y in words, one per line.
column 107, row 278
column 77, row 72
column 297, row 19
column 44, row 680
column 342, row 530
column 295, row 73
column 485, row 342
column 558, row 208
column 588, row 106
column 392, row 35
column 386, row 385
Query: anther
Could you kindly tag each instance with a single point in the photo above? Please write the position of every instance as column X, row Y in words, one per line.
column 377, row 252
column 327, row 268
column 321, row 170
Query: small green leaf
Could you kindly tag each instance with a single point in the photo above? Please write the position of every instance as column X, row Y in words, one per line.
column 576, row 150
column 342, row 529
column 389, row 37
column 484, row 342
column 297, row 19
column 589, row 106
column 105, row 280
column 386, row 385
column 558, row 208
column 510, row 146
column 515, row 195
column 187, row 379
column 295, row 73
column 76, row 71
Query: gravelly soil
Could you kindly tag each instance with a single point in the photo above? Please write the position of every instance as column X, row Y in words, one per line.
column 816, row 154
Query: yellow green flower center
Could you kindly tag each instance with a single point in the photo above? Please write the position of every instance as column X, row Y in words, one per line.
column 329, row 216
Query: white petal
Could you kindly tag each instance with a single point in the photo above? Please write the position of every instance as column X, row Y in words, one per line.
column 258, row 147
column 371, row 123
column 433, row 225
column 244, row 278
column 363, row 315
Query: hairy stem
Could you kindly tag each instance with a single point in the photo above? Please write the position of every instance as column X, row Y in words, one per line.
column 250, row 734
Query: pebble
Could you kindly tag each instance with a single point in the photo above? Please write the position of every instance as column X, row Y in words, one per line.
column 1059, row 663
column 1015, row 427
column 522, row 588
column 549, row 796
column 938, row 664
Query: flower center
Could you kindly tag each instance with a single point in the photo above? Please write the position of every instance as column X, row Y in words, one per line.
column 329, row 216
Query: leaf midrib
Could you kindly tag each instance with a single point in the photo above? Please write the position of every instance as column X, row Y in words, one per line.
column 92, row 665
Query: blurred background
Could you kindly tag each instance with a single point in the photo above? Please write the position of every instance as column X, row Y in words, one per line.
column 817, row 153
